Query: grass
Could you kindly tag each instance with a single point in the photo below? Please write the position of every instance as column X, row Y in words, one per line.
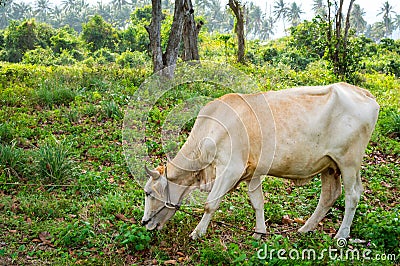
column 67, row 197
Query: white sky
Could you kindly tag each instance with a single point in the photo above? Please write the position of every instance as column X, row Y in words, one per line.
column 371, row 8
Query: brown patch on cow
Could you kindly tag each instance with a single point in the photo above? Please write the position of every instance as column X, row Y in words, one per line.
column 331, row 171
column 161, row 169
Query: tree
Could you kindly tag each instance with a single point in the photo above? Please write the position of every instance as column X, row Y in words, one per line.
column 337, row 40
column 357, row 19
column 42, row 10
column 190, row 35
column 238, row 9
column 294, row 13
column 254, row 19
column 98, row 34
column 387, row 11
column 267, row 28
column 281, row 11
column 319, row 8
column 169, row 57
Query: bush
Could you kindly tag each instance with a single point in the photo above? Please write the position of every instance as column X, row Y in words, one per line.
column 134, row 59
column 39, row 56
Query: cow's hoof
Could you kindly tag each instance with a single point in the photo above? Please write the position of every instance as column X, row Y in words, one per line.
column 258, row 236
column 195, row 235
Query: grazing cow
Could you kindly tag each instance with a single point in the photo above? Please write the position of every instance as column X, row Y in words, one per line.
column 295, row 134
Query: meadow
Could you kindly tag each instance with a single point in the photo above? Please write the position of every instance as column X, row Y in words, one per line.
column 67, row 196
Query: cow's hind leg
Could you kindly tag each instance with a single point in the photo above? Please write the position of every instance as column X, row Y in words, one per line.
column 222, row 185
column 257, row 201
column 353, row 190
column 331, row 189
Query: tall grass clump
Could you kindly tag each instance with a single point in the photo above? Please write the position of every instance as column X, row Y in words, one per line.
column 12, row 160
column 53, row 162
column 112, row 110
column 6, row 133
column 54, row 95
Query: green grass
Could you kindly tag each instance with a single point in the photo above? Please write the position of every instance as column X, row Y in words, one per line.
column 67, row 197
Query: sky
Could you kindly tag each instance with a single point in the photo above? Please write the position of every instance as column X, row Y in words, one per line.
column 371, row 8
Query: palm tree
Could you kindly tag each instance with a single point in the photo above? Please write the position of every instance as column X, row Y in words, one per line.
column 118, row 4
column 356, row 19
column 281, row 11
column 294, row 14
column 396, row 21
column 386, row 10
column 42, row 10
column 319, row 8
column 5, row 14
column 267, row 28
column 21, row 10
column 254, row 19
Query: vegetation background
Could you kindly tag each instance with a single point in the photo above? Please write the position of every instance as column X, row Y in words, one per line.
column 68, row 71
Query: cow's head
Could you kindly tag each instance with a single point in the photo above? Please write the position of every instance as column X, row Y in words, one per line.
column 158, row 206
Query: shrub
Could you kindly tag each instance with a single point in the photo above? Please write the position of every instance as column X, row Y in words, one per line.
column 134, row 59
column 39, row 56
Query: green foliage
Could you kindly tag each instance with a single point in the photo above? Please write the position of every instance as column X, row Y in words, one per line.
column 133, row 237
column 6, row 133
column 383, row 229
column 20, row 37
column 39, row 56
column 53, row 162
column 390, row 123
column 112, row 110
column 134, row 59
column 12, row 160
column 54, row 94
column 76, row 234
column 99, row 34
column 65, row 39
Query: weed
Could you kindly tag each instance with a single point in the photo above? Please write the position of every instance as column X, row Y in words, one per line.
column 49, row 96
column 53, row 162
column 112, row 110
column 77, row 234
column 11, row 160
column 6, row 133
column 133, row 237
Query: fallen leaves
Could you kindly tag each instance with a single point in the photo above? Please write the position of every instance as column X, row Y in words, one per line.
column 123, row 218
column 287, row 220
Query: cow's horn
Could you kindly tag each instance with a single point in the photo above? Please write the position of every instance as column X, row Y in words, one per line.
column 153, row 173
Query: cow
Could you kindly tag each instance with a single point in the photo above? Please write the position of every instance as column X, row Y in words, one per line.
column 294, row 134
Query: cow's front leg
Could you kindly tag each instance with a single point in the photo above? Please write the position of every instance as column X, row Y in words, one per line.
column 257, row 201
column 222, row 185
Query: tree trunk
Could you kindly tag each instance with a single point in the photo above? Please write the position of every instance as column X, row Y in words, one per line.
column 190, row 34
column 239, row 28
column 154, row 30
column 162, row 60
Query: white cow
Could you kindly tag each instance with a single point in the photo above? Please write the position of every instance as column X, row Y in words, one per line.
column 295, row 134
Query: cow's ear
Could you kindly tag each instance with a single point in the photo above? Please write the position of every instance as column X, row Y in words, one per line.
column 153, row 173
